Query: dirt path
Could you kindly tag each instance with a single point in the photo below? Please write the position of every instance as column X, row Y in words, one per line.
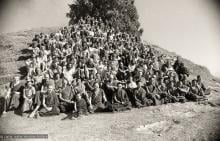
column 175, row 122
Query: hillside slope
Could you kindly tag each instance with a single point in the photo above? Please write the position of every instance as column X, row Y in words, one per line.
column 189, row 121
column 13, row 53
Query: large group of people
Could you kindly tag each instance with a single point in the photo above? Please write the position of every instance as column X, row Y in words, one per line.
column 92, row 67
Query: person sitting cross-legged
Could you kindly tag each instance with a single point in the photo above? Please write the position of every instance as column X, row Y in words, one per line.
column 120, row 101
column 66, row 97
column 98, row 99
column 195, row 93
column 48, row 106
column 140, row 97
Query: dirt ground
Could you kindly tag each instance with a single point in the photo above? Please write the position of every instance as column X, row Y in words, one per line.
column 171, row 122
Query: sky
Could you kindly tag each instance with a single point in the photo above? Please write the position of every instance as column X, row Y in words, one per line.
column 188, row 27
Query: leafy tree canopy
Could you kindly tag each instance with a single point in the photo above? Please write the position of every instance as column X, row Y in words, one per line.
column 121, row 14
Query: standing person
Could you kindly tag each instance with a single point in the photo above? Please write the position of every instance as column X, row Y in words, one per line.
column 120, row 101
column 28, row 95
column 16, row 89
column 140, row 97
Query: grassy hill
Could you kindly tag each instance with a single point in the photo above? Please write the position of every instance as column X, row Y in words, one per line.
column 189, row 121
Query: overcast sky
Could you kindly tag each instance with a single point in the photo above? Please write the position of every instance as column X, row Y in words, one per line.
column 188, row 27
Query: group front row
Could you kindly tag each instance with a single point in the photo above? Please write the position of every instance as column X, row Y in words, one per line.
column 80, row 98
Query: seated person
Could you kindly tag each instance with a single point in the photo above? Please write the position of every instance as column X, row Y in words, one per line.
column 48, row 106
column 28, row 95
column 140, row 97
column 172, row 93
column 162, row 91
column 182, row 91
column 16, row 89
column 131, row 86
column 120, row 101
column 152, row 91
column 66, row 97
column 80, row 105
column 195, row 93
column 98, row 99
column 207, row 91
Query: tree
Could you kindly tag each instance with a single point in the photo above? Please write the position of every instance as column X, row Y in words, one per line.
column 121, row 14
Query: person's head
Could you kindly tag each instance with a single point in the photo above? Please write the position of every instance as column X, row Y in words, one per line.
column 50, row 88
column 111, row 77
column 47, row 77
column 78, row 97
column 69, row 66
column 194, row 82
column 16, row 79
column 152, row 80
column 139, row 84
column 171, row 84
column 180, row 84
column 199, row 79
column 130, row 78
column 78, row 81
column 28, row 83
column 96, row 85
column 57, row 76
column 65, row 82
column 119, row 86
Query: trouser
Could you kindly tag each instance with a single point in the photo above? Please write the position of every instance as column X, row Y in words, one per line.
column 66, row 107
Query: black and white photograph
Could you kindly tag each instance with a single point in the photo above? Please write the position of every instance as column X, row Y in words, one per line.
column 109, row 70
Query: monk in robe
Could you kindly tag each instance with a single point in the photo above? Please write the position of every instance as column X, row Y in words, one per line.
column 48, row 106
column 120, row 101
column 80, row 106
column 152, row 91
column 66, row 96
column 140, row 97
column 98, row 99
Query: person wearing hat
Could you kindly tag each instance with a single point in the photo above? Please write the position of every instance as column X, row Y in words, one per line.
column 28, row 96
